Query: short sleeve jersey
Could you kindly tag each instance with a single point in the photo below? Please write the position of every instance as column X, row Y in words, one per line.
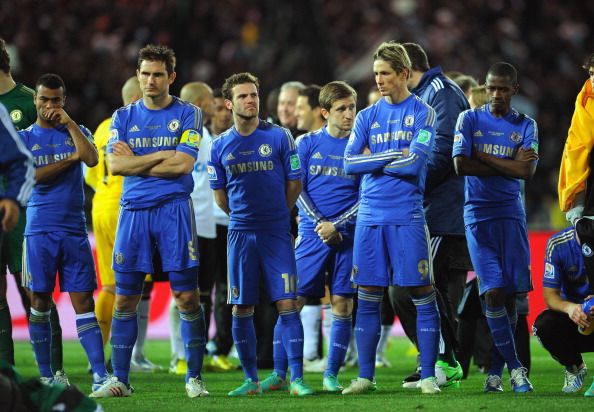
column 175, row 127
column 56, row 205
column 493, row 197
column 564, row 266
column 254, row 171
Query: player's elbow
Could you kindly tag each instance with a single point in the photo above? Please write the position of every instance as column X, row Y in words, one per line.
column 114, row 166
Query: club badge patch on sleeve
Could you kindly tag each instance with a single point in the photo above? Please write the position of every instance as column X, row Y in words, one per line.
column 549, row 271
column 295, row 163
column 424, row 137
column 212, row 173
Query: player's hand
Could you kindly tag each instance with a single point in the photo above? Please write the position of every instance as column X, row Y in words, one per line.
column 120, row 148
column 57, row 115
column 526, row 155
column 366, row 151
column 577, row 315
column 574, row 214
column 9, row 211
column 328, row 233
column 333, row 240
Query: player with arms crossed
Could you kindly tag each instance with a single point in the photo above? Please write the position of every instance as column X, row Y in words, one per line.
column 56, row 232
column 154, row 144
column 256, row 177
column 495, row 147
column 389, row 146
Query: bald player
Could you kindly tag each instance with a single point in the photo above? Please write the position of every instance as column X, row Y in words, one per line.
column 108, row 189
column 200, row 94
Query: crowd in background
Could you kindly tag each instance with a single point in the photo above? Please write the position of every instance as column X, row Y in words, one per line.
column 93, row 45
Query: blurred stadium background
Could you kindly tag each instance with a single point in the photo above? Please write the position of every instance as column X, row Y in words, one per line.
column 93, row 45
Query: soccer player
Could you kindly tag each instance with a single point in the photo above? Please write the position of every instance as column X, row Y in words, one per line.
column 18, row 100
column 108, row 190
column 256, row 177
column 565, row 287
column 16, row 164
column 575, row 177
column 223, row 340
column 309, row 118
column 495, row 147
column 56, row 232
column 389, row 147
column 308, row 110
column 327, row 209
column 200, row 94
column 444, row 205
column 154, row 144
column 287, row 102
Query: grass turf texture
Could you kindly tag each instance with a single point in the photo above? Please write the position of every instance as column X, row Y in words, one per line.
column 165, row 392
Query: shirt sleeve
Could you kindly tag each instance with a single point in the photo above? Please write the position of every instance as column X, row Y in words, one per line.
column 420, row 148
column 216, row 172
column 463, row 136
column 191, row 135
column 448, row 104
column 357, row 163
column 117, row 132
column 304, row 202
column 531, row 137
column 552, row 277
column 16, row 163
column 289, row 156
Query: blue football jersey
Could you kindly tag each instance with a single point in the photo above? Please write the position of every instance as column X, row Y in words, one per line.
column 175, row 127
column 56, row 205
column 564, row 266
column 254, row 171
column 392, row 186
column 493, row 197
column 328, row 192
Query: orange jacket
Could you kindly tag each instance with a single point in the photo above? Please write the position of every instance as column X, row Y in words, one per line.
column 575, row 163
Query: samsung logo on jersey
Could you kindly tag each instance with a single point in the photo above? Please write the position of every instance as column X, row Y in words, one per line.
column 158, row 141
column 328, row 171
column 390, row 136
column 45, row 160
column 246, row 167
column 496, row 149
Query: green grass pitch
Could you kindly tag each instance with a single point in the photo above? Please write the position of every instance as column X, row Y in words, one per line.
column 164, row 392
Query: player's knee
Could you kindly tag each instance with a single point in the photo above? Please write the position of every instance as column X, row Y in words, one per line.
column 82, row 302
column 41, row 302
column 542, row 327
column 126, row 303
column 286, row 304
column 243, row 310
column 495, row 297
column 342, row 306
column 419, row 291
column 187, row 300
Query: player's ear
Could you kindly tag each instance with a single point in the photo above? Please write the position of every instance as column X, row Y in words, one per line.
column 228, row 104
column 325, row 113
column 172, row 77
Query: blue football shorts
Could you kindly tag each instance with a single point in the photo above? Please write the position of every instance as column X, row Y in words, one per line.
column 315, row 259
column 500, row 255
column 168, row 229
column 67, row 254
column 257, row 255
column 392, row 255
